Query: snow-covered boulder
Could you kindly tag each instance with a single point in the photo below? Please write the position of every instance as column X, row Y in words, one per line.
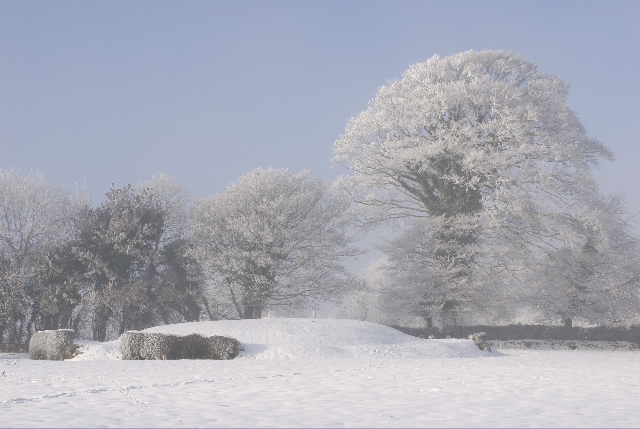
column 53, row 345
column 156, row 346
column 479, row 340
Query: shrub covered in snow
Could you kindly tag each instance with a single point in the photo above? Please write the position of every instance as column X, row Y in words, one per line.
column 53, row 345
column 153, row 346
column 478, row 339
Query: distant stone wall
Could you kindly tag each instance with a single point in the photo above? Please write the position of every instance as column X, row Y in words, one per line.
column 135, row 345
column 564, row 345
column 53, row 345
column 535, row 332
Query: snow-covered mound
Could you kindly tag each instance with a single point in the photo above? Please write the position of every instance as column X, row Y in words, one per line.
column 323, row 339
column 307, row 339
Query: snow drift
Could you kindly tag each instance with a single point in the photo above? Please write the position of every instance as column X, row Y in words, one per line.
column 307, row 339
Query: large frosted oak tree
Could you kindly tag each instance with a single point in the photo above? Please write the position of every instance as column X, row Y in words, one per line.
column 482, row 147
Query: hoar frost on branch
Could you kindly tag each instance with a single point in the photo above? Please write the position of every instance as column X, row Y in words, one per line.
column 133, row 251
column 271, row 239
column 480, row 155
column 477, row 132
column 596, row 277
column 467, row 133
column 35, row 216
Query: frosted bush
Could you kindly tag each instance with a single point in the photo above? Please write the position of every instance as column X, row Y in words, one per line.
column 152, row 346
column 53, row 345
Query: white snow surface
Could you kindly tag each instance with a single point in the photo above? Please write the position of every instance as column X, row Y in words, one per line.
column 94, row 350
column 324, row 373
column 313, row 339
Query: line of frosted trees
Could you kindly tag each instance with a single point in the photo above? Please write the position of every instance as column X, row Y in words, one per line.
column 147, row 256
column 475, row 161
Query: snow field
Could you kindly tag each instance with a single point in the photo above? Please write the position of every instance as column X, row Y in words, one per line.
column 274, row 387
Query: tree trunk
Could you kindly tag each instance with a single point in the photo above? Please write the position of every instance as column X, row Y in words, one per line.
column 568, row 323
column 429, row 321
column 206, row 307
column 124, row 321
column 100, row 321
column 449, row 313
column 99, row 330
column 13, row 334
column 76, row 322
column 252, row 312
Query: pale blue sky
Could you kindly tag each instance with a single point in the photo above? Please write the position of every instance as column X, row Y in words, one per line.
column 208, row 90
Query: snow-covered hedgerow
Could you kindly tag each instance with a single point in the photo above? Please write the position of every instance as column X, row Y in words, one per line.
column 53, row 345
column 153, row 346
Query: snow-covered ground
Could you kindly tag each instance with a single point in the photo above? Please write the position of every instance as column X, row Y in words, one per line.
column 324, row 373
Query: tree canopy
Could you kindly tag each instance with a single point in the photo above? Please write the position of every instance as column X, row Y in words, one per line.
column 273, row 238
column 473, row 132
column 34, row 217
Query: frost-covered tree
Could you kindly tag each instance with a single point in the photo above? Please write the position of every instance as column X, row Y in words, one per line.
column 181, row 284
column 179, row 274
column 595, row 278
column 58, row 284
column 119, row 250
column 273, row 238
column 432, row 276
column 378, row 298
column 483, row 147
column 173, row 200
column 133, row 250
column 34, row 216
